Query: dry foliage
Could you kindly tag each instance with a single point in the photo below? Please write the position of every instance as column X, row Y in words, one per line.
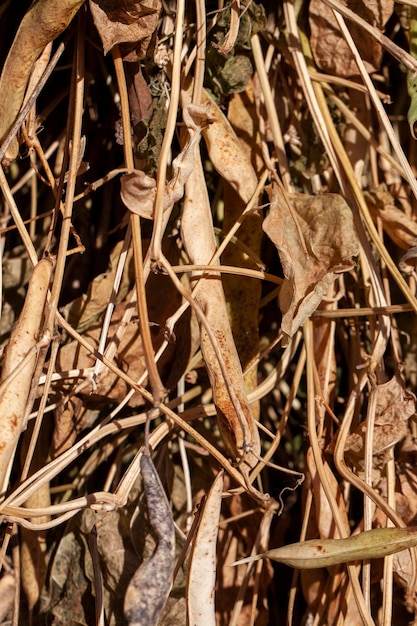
column 208, row 235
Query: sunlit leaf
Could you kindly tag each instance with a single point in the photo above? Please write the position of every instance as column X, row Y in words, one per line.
column 326, row 224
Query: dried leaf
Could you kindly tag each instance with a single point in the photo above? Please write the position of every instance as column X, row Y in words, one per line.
column 230, row 39
column 42, row 23
column 331, row 52
column 401, row 228
column 129, row 354
column 202, row 569
column 324, row 517
column 149, row 588
column 140, row 99
column 68, row 582
column 7, row 594
column 323, row 523
column 33, row 553
column 138, row 191
column 117, row 557
column 327, row 227
column 65, row 430
column 33, row 550
column 394, row 407
column 372, row 544
column 408, row 261
column 323, row 339
column 128, row 22
column 127, row 337
column 83, row 312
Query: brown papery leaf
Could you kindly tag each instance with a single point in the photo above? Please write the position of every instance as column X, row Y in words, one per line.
column 127, row 22
column 324, row 517
column 331, row 52
column 7, row 594
column 394, row 407
column 327, row 227
column 400, row 227
column 138, row 191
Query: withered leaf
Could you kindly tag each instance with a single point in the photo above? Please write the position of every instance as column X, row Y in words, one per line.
column 126, row 22
column 86, row 309
column 394, row 407
column 7, row 594
column 129, row 356
column 408, row 261
column 149, row 588
column 324, row 516
column 68, row 582
column 138, row 190
column 327, row 227
column 400, row 227
column 331, row 52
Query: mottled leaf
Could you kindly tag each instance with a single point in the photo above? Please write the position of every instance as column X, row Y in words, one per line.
column 399, row 226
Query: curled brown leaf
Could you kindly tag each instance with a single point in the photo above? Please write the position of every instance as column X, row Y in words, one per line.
column 394, row 407
column 130, row 22
column 330, row 50
column 326, row 224
column 138, row 190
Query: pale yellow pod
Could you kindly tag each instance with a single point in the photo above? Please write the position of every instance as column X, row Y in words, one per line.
column 42, row 23
column 314, row 553
column 201, row 581
column 225, row 150
column 20, row 362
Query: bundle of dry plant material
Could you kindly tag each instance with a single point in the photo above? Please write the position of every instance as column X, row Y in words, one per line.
column 208, row 238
